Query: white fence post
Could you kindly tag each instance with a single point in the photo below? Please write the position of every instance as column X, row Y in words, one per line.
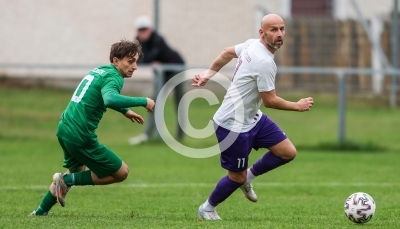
column 377, row 77
column 342, row 106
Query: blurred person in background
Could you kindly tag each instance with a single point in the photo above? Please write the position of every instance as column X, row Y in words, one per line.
column 156, row 51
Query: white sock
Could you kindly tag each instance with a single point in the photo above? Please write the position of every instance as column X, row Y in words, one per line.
column 207, row 207
column 250, row 176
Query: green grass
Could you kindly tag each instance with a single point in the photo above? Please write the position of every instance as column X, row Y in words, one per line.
column 164, row 188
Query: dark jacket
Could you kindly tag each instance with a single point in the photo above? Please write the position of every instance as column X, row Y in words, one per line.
column 156, row 49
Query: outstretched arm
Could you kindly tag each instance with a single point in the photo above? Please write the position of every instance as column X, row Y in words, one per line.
column 117, row 102
column 224, row 58
column 112, row 99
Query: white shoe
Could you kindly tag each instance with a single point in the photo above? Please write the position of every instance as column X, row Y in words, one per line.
column 248, row 192
column 138, row 139
column 34, row 214
column 61, row 188
column 208, row 215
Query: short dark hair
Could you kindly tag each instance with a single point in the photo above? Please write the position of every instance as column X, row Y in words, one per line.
column 125, row 48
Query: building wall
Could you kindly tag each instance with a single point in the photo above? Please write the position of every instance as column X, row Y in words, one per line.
column 63, row 31
column 369, row 8
column 81, row 32
column 342, row 9
column 201, row 29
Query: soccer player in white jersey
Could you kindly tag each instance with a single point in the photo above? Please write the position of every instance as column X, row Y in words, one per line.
column 254, row 79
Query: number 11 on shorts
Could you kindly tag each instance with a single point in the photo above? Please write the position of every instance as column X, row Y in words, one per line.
column 241, row 162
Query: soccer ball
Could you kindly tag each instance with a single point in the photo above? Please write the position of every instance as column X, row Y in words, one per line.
column 359, row 207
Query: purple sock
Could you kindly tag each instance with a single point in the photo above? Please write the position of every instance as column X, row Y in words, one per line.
column 267, row 163
column 223, row 190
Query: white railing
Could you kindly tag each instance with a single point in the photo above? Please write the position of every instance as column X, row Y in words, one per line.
column 341, row 74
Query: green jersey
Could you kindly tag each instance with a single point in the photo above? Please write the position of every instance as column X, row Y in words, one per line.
column 99, row 89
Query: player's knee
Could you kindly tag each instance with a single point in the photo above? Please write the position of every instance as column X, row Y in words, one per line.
column 291, row 153
column 238, row 177
column 122, row 173
column 241, row 179
column 284, row 149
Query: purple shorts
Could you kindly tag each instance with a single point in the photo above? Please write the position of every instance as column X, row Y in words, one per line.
column 235, row 152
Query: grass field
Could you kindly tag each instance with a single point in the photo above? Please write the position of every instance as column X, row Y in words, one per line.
column 164, row 189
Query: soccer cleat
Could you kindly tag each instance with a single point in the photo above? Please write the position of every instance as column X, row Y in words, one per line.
column 61, row 188
column 208, row 215
column 248, row 192
column 34, row 214
column 138, row 139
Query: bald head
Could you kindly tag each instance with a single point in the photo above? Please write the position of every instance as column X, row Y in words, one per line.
column 271, row 19
column 272, row 32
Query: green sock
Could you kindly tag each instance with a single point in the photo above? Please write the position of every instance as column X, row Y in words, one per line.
column 79, row 178
column 47, row 203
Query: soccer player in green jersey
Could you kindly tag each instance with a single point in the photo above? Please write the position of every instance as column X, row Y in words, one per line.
column 99, row 89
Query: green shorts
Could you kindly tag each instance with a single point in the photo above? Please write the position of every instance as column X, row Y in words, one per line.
column 98, row 158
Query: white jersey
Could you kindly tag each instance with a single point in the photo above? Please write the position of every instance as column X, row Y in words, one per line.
column 254, row 73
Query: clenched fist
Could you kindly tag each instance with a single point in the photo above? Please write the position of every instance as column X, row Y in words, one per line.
column 150, row 105
column 305, row 104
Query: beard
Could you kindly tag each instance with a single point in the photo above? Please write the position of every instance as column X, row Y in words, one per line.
column 273, row 45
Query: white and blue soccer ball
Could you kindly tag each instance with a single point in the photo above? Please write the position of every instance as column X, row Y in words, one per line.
column 359, row 207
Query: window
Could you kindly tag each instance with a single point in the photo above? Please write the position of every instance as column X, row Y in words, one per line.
column 311, row 8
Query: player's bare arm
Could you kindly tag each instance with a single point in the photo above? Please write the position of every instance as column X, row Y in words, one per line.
column 224, row 58
column 271, row 100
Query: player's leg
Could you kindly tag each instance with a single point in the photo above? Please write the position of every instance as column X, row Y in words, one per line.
column 281, row 150
column 52, row 197
column 116, row 177
column 105, row 167
column 49, row 199
column 234, row 158
column 277, row 155
column 64, row 181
